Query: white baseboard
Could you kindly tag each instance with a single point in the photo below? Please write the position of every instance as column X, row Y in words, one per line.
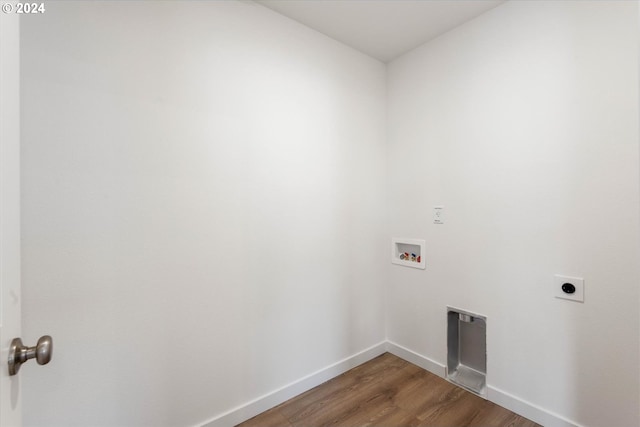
column 417, row 359
column 527, row 409
column 276, row 397
column 251, row 409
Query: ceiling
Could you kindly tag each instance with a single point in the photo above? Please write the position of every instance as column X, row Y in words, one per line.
column 383, row 29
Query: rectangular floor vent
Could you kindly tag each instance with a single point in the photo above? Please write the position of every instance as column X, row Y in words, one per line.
column 467, row 350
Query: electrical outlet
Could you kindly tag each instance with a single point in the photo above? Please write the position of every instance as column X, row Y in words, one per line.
column 571, row 288
column 438, row 214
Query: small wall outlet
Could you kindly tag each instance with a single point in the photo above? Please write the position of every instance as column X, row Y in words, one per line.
column 571, row 288
column 438, row 214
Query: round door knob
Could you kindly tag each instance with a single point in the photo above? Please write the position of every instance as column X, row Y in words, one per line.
column 44, row 348
column 19, row 353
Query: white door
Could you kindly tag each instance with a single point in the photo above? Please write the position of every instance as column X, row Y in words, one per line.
column 10, row 407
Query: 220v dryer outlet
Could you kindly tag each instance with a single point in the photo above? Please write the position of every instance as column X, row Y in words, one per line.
column 571, row 288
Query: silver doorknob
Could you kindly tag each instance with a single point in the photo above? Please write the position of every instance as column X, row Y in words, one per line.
column 18, row 353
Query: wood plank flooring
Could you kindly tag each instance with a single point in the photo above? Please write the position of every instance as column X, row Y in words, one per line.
column 387, row 392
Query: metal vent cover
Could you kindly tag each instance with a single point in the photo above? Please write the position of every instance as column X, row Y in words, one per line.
column 467, row 350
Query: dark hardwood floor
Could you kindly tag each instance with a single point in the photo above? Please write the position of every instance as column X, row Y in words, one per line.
column 387, row 392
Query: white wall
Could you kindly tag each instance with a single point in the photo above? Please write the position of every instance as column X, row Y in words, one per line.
column 203, row 220
column 524, row 124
